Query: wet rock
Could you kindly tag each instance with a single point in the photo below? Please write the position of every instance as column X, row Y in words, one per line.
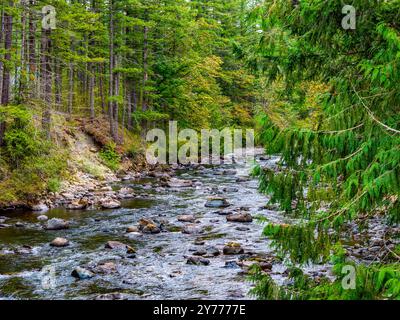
column 195, row 260
column 199, row 252
column 242, row 228
column 265, row 158
column 242, row 179
column 239, row 217
column 229, row 172
column 56, row 224
column 212, row 251
column 19, row 225
column 266, row 266
column 42, row 217
column 230, row 189
column 199, row 242
column 77, row 204
column 178, row 183
column 82, row 273
column 116, row 245
column 59, row 242
column 25, row 249
column 217, row 202
column 186, row 218
column 39, row 207
column 4, row 225
column 148, row 226
column 192, row 229
column 224, row 212
column 132, row 229
column 126, row 193
column 110, row 204
column 231, row 264
column 106, row 268
column 233, row 248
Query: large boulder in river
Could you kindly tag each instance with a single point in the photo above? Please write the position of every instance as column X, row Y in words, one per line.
column 233, row 248
column 178, row 183
column 217, row 202
column 148, row 226
column 59, row 242
column 192, row 229
column 196, row 260
column 187, row 218
column 77, row 204
column 82, row 273
column 56, row 224
column 116, row 245
column 39, row 207
column 110, row 204
column 239, row 217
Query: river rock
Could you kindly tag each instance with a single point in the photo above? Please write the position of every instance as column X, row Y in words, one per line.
column 132, row 229
column 4, row 225
column 110, row 204
column 212, row 251
column 230, row 189
column 59, row 242
column 233, row 248
column 148, row 226
column 39, row 207
column 56, row 224
column 266, row 266
column 217, row 202
column 192, row 229
column 229, row 172
column 116, row 245
column 42, row 217
column 195, row 260
column 178, row 183
column 77, row 204
column 82, row 273
column 126, row 193
column 186, row 218
column 239, row 217
column 107, row 267
column 199, row 252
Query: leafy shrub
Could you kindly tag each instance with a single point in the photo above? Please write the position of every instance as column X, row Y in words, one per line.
column 110, row 156
column 54, row 185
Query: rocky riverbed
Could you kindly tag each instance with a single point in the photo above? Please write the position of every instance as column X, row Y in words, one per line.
column 186, row 233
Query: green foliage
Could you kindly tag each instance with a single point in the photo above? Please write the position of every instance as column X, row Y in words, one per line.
column 110, row 156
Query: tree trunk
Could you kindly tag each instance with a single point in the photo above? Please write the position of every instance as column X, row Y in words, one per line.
column 101, row 89
column 91, row 91
column 32, row 52
column 70, row 89
column 46, row 81
column 58, row 85
column 111, row 76
column 5, row 89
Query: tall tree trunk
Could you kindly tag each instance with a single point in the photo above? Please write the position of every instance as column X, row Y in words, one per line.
column 91, row 91
column 58, row 85
column 145, row 62
column 2, row 31
column 111, row 75
column 70, row 89
column 46, row 80
column 5, row 89
column 23, row 70
column 101, row 89
column 32, row 52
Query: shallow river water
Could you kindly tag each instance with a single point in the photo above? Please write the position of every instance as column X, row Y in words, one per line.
column 158, row 270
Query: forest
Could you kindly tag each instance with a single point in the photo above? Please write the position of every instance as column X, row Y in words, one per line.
column 314, row 216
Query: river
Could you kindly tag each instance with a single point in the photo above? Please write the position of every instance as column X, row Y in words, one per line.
column 158, row 269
